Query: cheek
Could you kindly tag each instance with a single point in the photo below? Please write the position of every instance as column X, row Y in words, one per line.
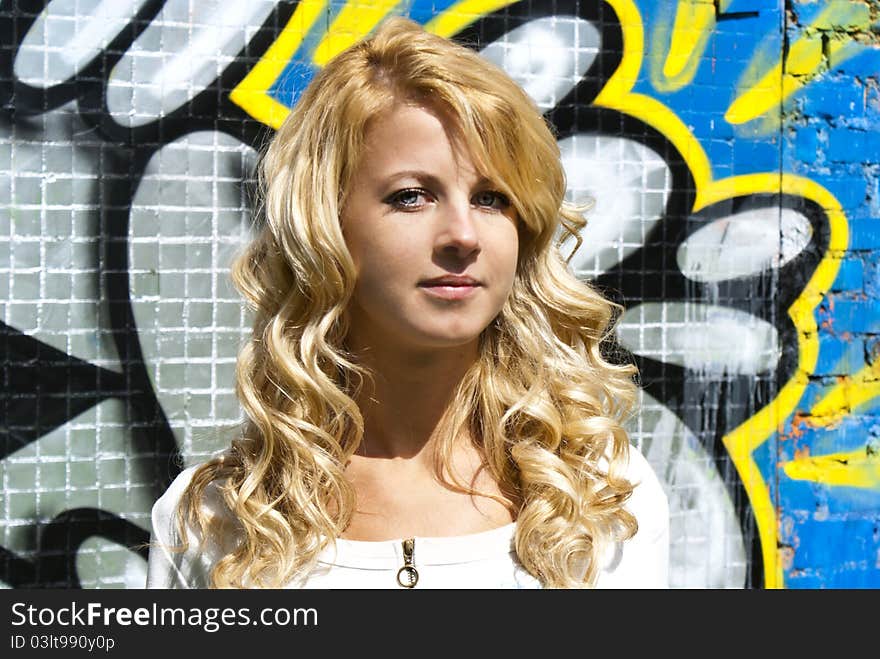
column 363, row 246
column 508, row 251
column 384, row 264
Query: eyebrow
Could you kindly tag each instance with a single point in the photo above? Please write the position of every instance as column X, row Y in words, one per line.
column 425, row 177
column 417, row 174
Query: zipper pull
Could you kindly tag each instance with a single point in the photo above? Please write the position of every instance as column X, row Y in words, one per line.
column 408, row 576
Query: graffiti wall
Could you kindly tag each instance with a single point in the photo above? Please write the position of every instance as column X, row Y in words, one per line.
column 730, row 151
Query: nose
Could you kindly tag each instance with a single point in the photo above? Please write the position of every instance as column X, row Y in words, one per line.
column 458, row 230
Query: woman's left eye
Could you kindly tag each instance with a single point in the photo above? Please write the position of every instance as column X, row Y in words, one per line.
column 492, row 199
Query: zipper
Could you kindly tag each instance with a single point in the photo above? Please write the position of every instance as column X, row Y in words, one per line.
column 408, row 576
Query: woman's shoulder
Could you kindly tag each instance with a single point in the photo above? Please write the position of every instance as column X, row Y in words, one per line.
column 649, row 502
column 173, row 564
column 167, row 506
column 642, row 561
column 167, row 503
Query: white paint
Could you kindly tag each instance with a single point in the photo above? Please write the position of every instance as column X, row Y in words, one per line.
column 713, row 340
column 114, row 565
column 547, row 56
column 53, row 238
column 189, row 218
column 707, row 549
column 68, row 35
column 182, row 51
column 743, row 244
column 627, row 185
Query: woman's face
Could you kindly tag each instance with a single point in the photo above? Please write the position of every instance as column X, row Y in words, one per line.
column 417, row 210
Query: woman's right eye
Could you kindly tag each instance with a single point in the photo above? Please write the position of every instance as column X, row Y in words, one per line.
column 408, row 199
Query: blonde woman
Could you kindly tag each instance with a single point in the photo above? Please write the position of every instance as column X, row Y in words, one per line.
column 427, row 400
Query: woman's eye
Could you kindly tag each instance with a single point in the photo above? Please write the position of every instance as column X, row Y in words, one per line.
column 492, row 199
column 408, row 199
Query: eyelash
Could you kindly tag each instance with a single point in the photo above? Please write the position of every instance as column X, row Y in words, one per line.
column 395, row 199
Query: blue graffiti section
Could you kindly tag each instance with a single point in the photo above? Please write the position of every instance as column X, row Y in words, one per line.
column 824, row 130
column 733, row 40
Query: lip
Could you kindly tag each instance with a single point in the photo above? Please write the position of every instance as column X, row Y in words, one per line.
column 450, row 280
column 450, row 287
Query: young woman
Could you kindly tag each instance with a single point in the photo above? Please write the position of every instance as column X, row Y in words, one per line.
column 427, row 400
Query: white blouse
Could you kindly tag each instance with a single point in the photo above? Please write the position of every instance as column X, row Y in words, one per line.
column 478, row 560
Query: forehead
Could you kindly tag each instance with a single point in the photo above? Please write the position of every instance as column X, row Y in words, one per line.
column 413, row 137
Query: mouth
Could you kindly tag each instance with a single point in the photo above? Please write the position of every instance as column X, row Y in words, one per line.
column 450, row 289
column 450, row 280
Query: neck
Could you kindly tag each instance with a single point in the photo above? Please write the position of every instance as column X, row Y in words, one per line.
column 412, row 389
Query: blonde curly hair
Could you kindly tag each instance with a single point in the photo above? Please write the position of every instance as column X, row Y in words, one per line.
column 542, row 403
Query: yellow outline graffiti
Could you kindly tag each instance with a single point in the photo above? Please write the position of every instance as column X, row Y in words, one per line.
column 461, row 14
column 742, row 441
column 858, row 468
column 354, row 22
column 251, row 94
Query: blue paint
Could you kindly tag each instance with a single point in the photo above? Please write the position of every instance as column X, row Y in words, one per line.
column 840, row 355
column 739, row 6
column 803, row 580
column 850, row 275
column 864, row 234
column 807, row 11
column 862, row 574
column 872, row 275
column 845, row 544
column 861, row 61
column 814, row 503
column 756, row 157
column 292, row 82
column 765, row 458
column 834, row 97
column 297, row 74
column 852, row 433
column 850, row 314
column 853, row 146
column 423, row 11
column 806, row 144
column 846, row 184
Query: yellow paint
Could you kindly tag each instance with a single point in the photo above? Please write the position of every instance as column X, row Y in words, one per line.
column 853, row 469
column 845, row 397
column 805, row 56
column 462, row 14
column 691, row 28
column 356, row 20
column 251, row 93
column 742, row 441
column 804, row 62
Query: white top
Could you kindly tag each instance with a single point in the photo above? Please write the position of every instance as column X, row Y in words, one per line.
column 477, row 560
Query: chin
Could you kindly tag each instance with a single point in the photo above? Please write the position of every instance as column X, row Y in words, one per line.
column 449, row 339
